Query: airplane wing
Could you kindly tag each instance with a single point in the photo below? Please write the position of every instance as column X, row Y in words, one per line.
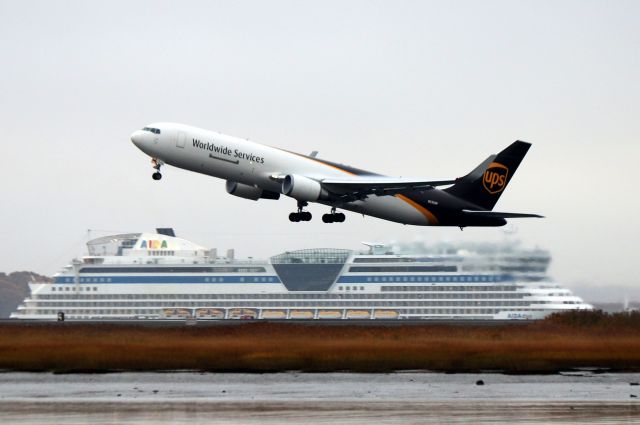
column 361, row 187
column 496, row 214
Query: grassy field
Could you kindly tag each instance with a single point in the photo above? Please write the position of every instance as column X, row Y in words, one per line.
column 561, row 342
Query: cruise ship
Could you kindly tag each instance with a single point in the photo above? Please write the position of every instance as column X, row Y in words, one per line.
column 158, row 276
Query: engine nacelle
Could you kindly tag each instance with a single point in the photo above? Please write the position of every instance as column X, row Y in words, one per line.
column 243, row 190
column 302, row 188
column 249, row 192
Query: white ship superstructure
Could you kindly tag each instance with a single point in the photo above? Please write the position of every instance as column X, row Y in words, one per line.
column 160, row 276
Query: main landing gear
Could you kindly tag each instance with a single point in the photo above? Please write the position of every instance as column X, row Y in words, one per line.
column 334, row 217
column 156, row 165
column 300, row 215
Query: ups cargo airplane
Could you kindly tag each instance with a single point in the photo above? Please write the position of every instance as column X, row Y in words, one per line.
column 254, row 171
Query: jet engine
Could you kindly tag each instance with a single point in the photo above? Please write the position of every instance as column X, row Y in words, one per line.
column 249, row 192
column 302, row 188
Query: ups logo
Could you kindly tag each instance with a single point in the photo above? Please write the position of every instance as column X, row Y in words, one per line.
column 495, row 177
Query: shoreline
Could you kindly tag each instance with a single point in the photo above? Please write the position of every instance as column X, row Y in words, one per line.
column 561, row 343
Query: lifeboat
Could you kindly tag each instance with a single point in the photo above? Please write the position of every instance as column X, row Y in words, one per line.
column 274, row 314
column 301, row 314
column 385, row 314
column 329, row 314
column 216, row 313
column 183, row 312
column 358, row 314
column 243, row 313
column 209, row 313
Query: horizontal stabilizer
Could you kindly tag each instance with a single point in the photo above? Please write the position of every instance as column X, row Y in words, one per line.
column 496, row 214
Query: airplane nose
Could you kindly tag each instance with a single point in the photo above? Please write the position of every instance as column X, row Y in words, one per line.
column 137, row 138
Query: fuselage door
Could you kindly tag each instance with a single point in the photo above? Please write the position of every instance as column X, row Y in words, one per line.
column 181, row 139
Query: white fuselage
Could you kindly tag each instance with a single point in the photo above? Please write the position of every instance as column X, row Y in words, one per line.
column 253, row 164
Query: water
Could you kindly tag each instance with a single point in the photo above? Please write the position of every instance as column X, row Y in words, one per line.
column 336, row 398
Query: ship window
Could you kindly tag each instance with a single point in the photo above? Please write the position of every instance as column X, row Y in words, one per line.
column 173, row 270
column 408, row 269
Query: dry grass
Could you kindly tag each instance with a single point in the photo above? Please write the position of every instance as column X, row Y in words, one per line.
column 560, row 342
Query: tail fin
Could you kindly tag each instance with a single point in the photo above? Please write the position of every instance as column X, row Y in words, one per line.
column 484, row 185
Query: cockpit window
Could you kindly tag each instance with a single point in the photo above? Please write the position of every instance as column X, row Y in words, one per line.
column 151, row 129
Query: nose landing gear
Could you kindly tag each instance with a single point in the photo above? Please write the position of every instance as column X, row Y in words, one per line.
column 300, row 215
column 334, row 217
column 156, row 165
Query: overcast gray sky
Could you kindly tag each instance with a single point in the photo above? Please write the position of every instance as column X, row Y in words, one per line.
column 397, row 87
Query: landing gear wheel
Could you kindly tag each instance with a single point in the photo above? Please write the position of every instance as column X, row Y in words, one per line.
column 300, row 215
column 333, row 217
column 327, row 218
column 156, row 175
column 294, row 217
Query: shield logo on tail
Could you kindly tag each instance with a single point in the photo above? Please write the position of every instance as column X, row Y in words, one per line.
column 495, row 178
